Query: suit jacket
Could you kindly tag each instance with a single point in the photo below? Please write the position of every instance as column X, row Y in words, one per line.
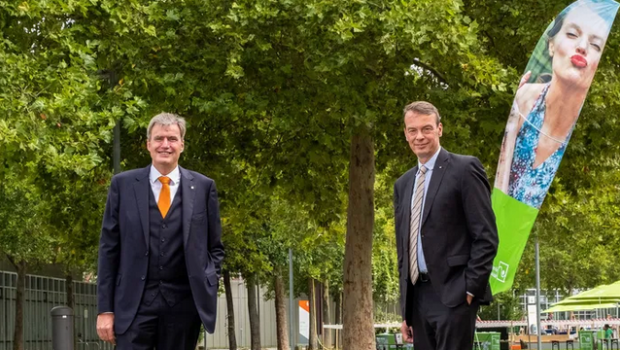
column 458, row 232
column 124, row 245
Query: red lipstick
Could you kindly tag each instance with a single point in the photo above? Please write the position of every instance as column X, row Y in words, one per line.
column 579, row 61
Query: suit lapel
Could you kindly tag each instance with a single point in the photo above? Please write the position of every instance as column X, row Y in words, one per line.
column 141, row 188
column 438, row 171
column 188, row 188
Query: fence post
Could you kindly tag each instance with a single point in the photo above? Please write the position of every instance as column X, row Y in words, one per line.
column 62, row 328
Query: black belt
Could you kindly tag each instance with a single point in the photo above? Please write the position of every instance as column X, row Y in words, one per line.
column 424, row 277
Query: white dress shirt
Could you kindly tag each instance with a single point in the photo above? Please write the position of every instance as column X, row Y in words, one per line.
column 175, row 181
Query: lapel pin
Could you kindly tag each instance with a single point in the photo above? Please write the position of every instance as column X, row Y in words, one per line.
column 192, row 187
column 440, row 167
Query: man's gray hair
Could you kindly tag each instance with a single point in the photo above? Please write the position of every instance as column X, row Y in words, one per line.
column 424, row 108
column 167, row 119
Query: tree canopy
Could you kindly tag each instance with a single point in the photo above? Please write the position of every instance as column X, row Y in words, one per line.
column 274, row 93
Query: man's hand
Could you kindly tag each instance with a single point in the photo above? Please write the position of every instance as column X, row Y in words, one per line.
column 470, row 298
column 407, row 333
column 105, row 328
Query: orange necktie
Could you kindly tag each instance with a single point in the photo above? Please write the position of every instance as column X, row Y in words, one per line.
column 164, row 196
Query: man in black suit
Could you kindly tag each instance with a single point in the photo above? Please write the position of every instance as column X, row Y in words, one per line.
column 446, row 238
column 160, row 250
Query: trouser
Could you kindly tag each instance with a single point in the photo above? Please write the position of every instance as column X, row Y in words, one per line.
column 438, row 327
column 162, row 327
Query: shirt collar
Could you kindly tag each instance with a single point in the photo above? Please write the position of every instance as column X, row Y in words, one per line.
column 175, row 175
column 431, row 162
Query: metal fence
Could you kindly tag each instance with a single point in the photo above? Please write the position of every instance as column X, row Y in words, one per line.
column 41, row 295
column 44, row 293
column 267, row 314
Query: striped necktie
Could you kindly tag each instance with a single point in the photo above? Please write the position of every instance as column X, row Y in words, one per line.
column 414, row 226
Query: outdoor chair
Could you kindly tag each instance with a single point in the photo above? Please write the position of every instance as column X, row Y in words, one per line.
column 523, row 344
column 614, row 341
column 571, row 343
column 555, row 343
column 604, row 344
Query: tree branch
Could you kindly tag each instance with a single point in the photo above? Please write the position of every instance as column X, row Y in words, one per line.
column 433, row 71
column 11, row 260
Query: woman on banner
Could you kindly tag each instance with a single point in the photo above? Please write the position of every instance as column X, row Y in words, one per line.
column 544, row 113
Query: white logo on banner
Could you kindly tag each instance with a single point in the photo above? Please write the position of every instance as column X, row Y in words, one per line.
column 500, row 272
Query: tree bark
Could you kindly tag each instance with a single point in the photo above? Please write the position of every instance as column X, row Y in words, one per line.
column 358, row 330
column 71, row 301
column 327, row 318
column 18, row 333
column 232, row 338
column 253, row 313
column 339, row 321
column 69, row 290
column 312, row 342
column 338, row 315
column 281, row 321
column 338, row 308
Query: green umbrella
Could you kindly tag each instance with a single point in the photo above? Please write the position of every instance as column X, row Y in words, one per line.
column 577, row 307
column 602, row 297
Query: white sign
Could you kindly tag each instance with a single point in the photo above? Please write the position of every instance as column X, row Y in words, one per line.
column 304, row 322
column 531, row 318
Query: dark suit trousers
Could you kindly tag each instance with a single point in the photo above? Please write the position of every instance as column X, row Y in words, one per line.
column 438, row 327
column 162, row 327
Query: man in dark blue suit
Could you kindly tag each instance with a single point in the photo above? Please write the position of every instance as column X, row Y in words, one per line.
column 160, row 250
column 446, row 237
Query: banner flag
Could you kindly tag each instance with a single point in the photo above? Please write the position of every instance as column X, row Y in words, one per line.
column 542, row 118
